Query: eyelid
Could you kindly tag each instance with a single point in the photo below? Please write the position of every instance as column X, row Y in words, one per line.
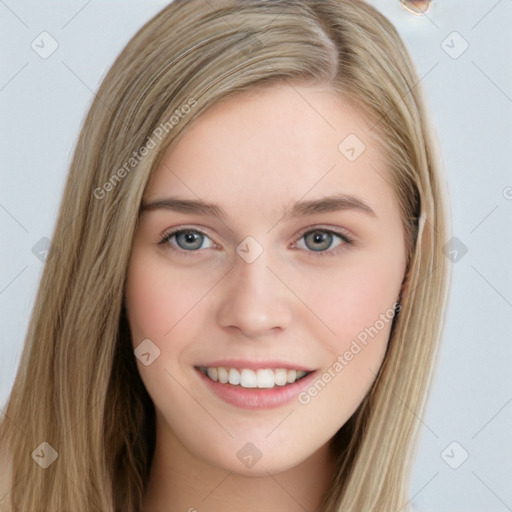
column 176, row 229
column 335, row 230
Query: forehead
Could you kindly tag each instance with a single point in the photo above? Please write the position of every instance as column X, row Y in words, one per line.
column 262, row 150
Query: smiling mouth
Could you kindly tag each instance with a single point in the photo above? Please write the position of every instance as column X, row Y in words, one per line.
column 264, row 378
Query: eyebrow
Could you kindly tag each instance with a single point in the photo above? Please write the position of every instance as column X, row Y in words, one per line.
column 325, row 204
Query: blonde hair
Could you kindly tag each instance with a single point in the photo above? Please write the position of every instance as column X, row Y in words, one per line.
column 77, row 387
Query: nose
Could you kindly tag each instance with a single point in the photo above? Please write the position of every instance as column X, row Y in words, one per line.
column 253, row 300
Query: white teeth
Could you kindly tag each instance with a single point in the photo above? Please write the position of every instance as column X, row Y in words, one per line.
column 291, row 376
column 222, row 375
column 265, row 378
column 234, row 376
column 280, row 378
column 212, row 373
column 246, row 378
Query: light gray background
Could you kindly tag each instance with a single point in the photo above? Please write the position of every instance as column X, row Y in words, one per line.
column 43, row 103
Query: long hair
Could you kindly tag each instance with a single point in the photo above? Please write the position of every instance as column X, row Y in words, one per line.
column 77, row 388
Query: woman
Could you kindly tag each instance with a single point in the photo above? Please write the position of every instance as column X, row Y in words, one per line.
column 243, row 299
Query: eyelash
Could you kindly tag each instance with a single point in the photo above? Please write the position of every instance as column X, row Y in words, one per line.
column 345, row 240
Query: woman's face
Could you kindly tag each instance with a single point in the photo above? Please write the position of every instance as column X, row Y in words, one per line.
column 271, row 241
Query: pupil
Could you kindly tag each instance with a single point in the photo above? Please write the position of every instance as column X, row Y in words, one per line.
column 189, row 240
column 318, row 240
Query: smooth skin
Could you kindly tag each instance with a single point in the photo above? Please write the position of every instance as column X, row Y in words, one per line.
column 303, row 300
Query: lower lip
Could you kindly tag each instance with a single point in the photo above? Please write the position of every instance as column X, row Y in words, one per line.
column 257, row 398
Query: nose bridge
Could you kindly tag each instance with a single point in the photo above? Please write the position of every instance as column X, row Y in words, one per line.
column 251, row 268
column 254, row 277
column 253, row 300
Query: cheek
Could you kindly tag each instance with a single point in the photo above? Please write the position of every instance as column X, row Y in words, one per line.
column 360, row 312
column 158, row 305
column 357, row 304
column 158, row 298
column 166, row 306
column 352, row 299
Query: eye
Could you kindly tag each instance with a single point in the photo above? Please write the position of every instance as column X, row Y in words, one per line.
column 321, row 240
column 187, row 240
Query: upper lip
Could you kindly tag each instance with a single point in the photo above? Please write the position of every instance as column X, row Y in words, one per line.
column 254, row 365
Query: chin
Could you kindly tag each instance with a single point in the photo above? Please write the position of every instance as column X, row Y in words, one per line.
column 249, row 460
